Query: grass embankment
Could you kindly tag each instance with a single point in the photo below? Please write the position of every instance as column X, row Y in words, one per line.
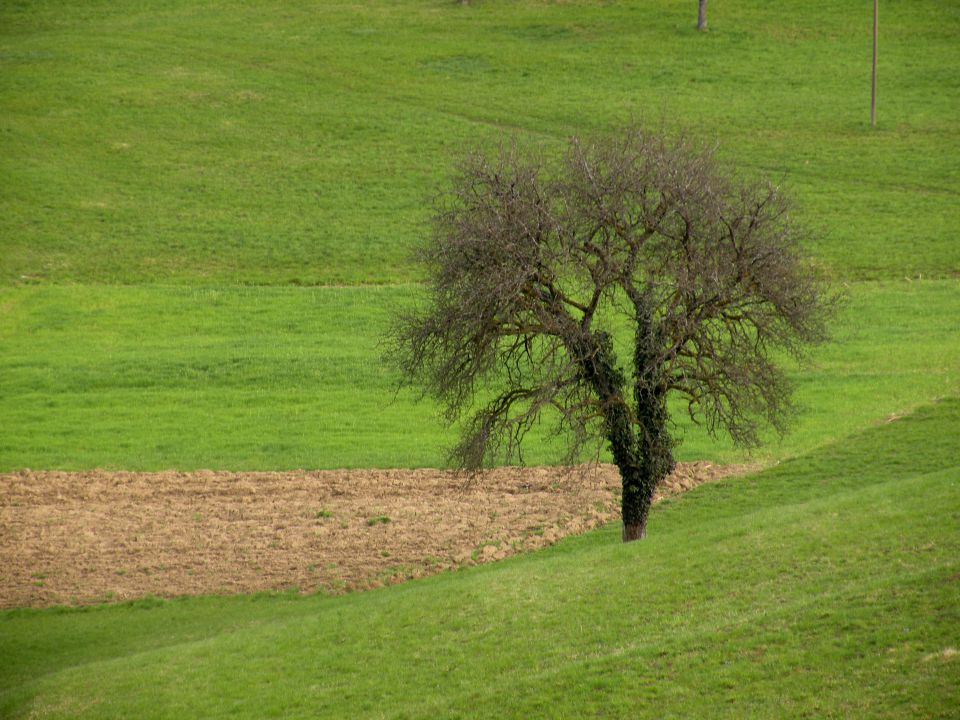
column 824, row 587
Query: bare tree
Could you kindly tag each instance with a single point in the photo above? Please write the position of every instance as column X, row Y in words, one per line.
column 702, row 16
column 533, row 265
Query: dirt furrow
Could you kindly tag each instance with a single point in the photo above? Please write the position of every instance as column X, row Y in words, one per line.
column 88, row 537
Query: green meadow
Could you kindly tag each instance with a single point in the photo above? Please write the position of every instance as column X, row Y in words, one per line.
column 823, row 587
column 206, row 218
column 255, row 378
column 300, row 143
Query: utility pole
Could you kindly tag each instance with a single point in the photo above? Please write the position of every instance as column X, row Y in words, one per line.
column 873, row 84
column 702, row 16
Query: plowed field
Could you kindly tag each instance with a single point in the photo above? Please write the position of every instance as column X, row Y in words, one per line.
column 88, row 537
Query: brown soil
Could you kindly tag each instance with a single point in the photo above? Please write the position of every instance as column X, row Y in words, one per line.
column 76, row 538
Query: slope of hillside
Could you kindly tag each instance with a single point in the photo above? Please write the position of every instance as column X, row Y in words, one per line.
column 266, row 143
column 195, row 202
column 827, row 586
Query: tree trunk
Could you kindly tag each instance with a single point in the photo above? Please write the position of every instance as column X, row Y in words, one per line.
column 653, row 452
column 643, row 457
column 634, row 532
column 646, row 465
column 702, row 16
column 636, row 501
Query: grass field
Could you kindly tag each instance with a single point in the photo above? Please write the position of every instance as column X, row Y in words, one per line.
column 264, row 143
column 283, row 378
column 157, row 161
column 824, row 587
column 206, row 213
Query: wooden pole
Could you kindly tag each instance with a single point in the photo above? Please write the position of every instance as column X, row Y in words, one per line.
column 873, row 83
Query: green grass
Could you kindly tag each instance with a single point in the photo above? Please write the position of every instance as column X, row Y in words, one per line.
column 173, row 174
column 155, row 160
column 824, row 587
column 270, row 144
column 149, row 378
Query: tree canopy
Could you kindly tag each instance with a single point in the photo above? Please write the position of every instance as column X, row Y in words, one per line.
column 532, row 260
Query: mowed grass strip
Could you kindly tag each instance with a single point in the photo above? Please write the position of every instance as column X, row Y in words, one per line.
column 152, row 378
column 268, row 143
column 824, row 587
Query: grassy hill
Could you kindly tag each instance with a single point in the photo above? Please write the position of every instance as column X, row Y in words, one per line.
column 239, row 378
column 824, row 587
column 157, row 160
column 205, row 218
column 263, row 143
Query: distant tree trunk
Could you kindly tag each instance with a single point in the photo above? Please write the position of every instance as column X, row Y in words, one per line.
column 873, row 79
column 702, row 16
